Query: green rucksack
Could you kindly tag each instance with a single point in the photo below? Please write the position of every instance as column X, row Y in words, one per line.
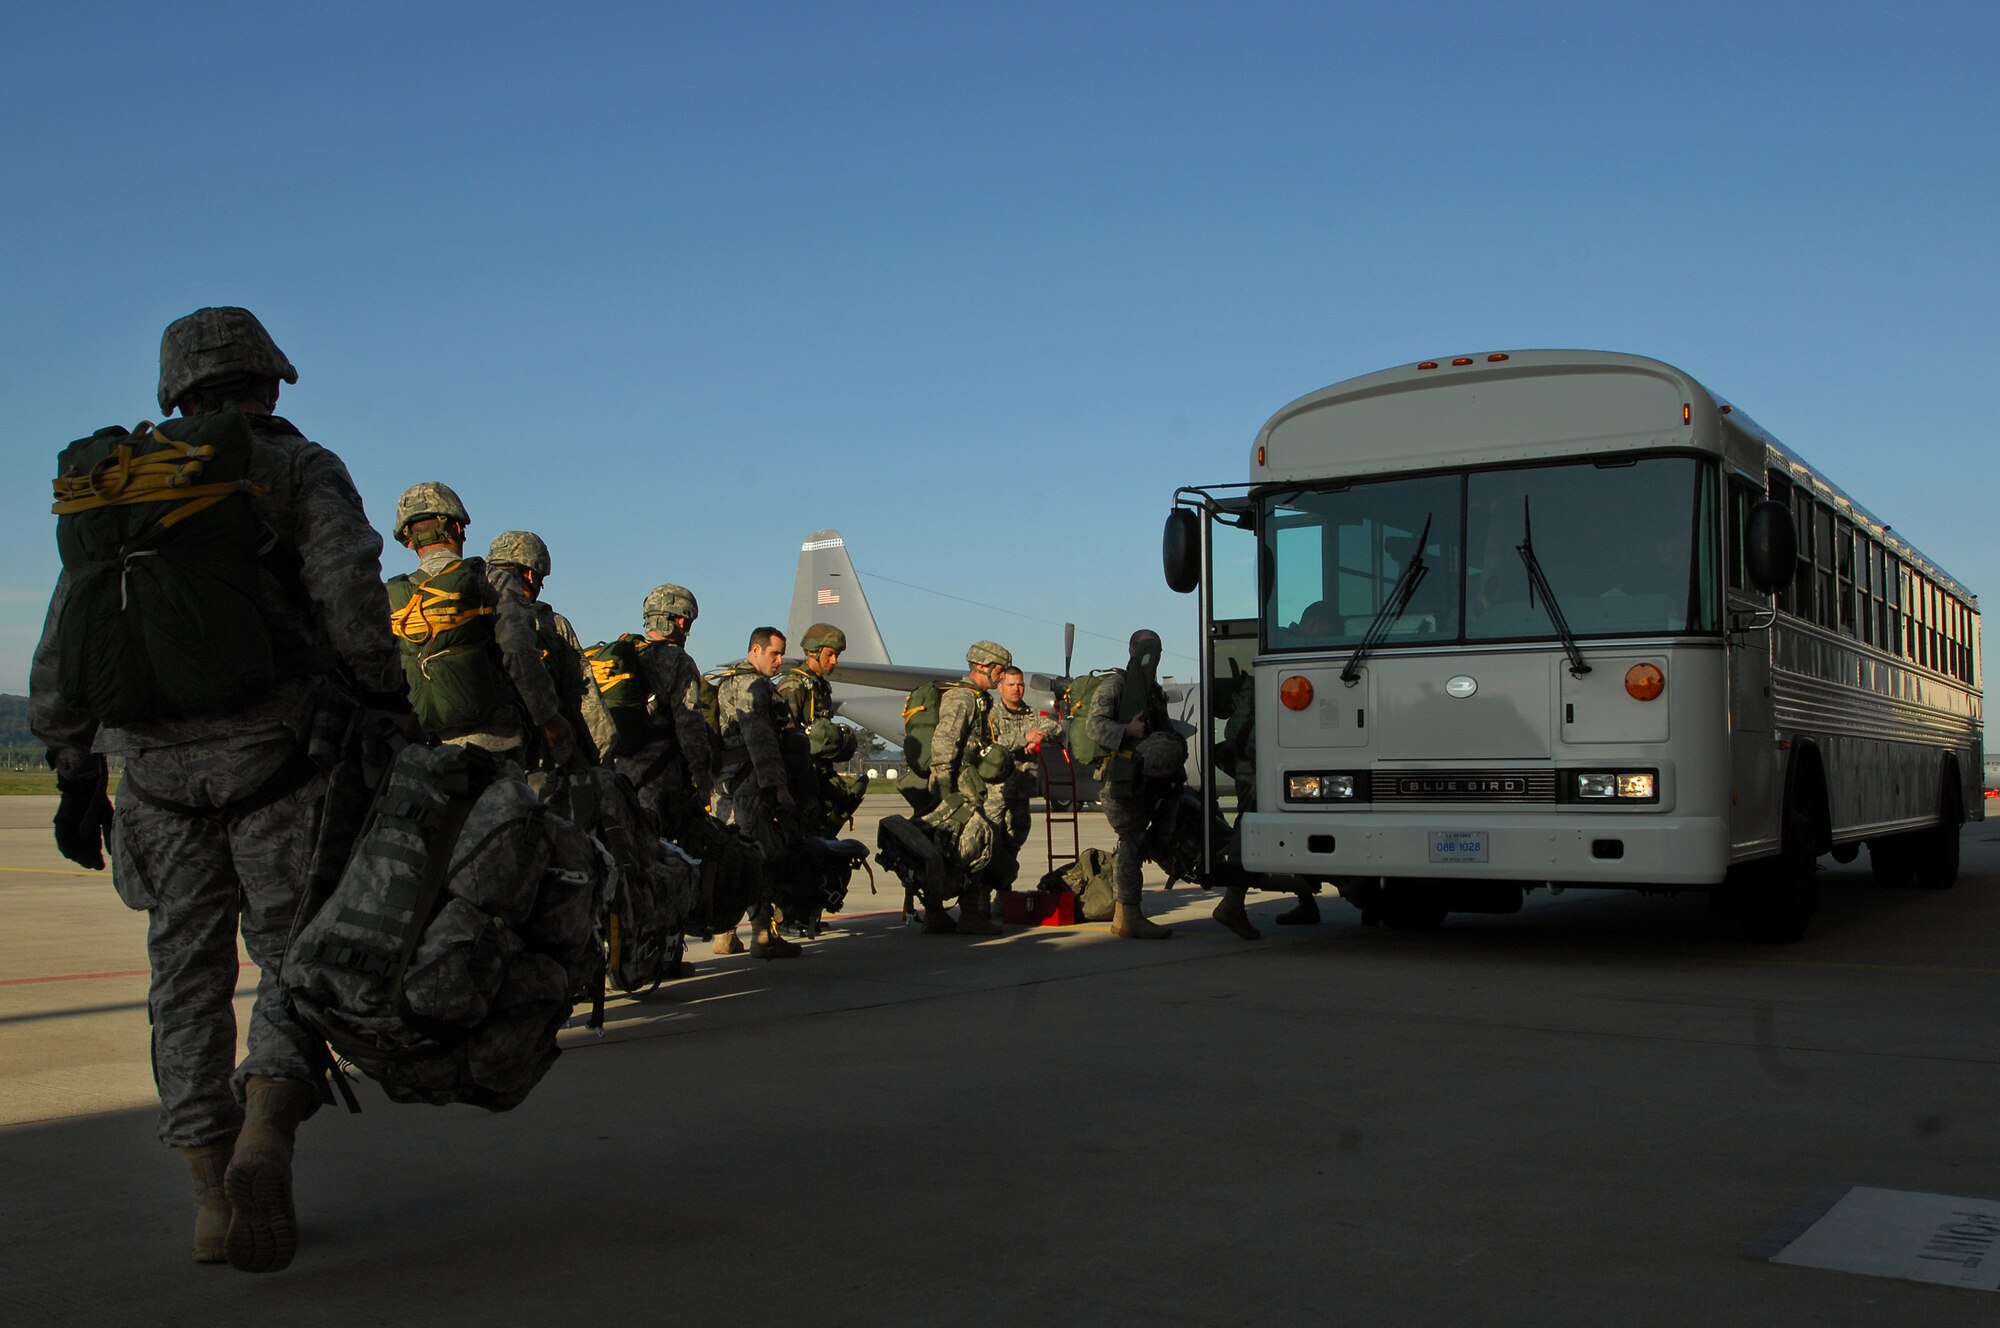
column 614, row 667
column 161, row 548
column 1083, row 749
column 445, row 630
column 920, row 717
column 710, row 688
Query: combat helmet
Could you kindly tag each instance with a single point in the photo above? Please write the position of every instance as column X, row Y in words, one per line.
column 430, row 498
column 216, row 345
column 521, row 548
column 988, row 652
column 823, row 636
column 666, row 603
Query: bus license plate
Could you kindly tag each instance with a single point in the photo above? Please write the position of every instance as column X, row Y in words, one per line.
column 1458, row 846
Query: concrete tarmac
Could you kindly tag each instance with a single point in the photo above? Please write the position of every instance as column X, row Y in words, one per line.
column 1581, row 1114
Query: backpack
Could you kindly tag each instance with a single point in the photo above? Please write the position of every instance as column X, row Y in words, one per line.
column 445, row 629
column 161, row 547
column 1093, row 879
column 614, row 667
column 711, row 695
column 920, row 717
column 1083, row 749
column 452, row 948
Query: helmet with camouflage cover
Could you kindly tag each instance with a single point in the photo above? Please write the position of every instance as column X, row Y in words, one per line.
column 666, row 603
column 521, row 548
column 988, row 652
column 216, row 345
column 431, row 498
column 823, row 636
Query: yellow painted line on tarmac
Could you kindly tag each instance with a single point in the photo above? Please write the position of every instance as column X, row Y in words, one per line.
column 54, row 871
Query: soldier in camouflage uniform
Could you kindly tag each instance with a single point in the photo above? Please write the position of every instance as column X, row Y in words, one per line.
column 1145, row 764
column 218, row 813
column 1019, row 730
column 813, row 744
column 498, row 664
column 959, row 745
column 673, row 764
column 526, row 556
column 753, row 783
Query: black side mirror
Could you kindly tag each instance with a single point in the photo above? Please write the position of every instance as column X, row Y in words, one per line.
column 1771, row 546
column 1180, row 550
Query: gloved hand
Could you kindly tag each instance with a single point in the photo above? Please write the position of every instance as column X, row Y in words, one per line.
column 83, row 816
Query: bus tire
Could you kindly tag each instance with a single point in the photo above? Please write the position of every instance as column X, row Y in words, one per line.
column 1411, row 906
column 1782, row 895
column 1892, row 861
column 1936, row 849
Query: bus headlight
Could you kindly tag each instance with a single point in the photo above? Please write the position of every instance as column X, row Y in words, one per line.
column 1323, row 786
column 1615, row 786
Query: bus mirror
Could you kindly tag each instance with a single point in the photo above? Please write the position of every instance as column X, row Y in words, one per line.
column 1180, row 550
column 1771, row 546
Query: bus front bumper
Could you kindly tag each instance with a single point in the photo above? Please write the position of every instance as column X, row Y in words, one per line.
column 1481, row 845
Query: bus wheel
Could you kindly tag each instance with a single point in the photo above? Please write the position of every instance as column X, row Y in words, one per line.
column 1411, row 906
column 1892, row 861
column 1782, row 894
column 1936, row 849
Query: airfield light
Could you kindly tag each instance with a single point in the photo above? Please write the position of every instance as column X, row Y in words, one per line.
column 1645, row 682
column 1295, row 692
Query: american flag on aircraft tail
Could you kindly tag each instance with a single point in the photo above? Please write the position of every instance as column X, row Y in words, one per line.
column 826, row 597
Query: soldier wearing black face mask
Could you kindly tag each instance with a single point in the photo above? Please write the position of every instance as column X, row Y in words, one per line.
column 1146, row 760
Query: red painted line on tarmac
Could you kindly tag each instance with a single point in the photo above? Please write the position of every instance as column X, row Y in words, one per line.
column 87, row 977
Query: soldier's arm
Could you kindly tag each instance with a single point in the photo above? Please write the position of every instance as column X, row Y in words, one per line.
column 793, row 696
column 520, row 648
column 760, row 735
column 675, row 683
column 67, row 731
column 948, row 738
column 1101, row 721
column 340, row 564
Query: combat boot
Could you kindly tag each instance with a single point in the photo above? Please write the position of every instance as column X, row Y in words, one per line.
column 1128, row 921
column 937, row 922
column 263, row 1232
column 211, row 1203
column 727, row 943
column 767, row 944
column 974, row 918
column 1230, row 914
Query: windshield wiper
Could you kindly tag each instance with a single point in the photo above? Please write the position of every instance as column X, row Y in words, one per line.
column 1392, row 608
column 1539, row 580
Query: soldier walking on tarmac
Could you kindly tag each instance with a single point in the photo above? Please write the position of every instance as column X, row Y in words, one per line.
column 525, row 555
column 753, row 780
column 230, row 522
column 1145, row 760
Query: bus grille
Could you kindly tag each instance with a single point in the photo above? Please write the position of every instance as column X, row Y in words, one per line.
column 1465, row 786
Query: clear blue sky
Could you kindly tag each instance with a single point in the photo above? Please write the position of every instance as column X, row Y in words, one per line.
column 677, row 285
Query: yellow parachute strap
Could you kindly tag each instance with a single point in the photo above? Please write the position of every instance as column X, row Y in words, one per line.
column 168, row 472
column 432, row 610
column 604, row 672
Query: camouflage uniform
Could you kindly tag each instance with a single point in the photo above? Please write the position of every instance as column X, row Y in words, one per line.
column 1130, row 796
column 752, row 768
column 1007, row 799
column 569, row 674
column 199, row 867
column 674, row 766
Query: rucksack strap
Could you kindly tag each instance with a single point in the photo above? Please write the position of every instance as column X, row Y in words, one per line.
column 125, row 478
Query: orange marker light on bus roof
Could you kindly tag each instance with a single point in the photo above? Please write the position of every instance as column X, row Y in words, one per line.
column 1260, row 455
column 1645, row 682
column 1687, row 413
column 1295, row 693
column 1461, row 360
column 1495, row 359
column 1428, row 364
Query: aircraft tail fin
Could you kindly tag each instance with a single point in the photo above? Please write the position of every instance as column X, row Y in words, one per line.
column 828, row 590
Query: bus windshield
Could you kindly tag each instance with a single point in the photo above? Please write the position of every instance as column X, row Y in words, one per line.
column 1629, row 547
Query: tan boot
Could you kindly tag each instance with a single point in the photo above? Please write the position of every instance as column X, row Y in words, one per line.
column 263, row 1231
column 767, row 944
column 1128, row 921
column 1231, row 915
column 974, row 918
column 211, row 1204
column 727, row 943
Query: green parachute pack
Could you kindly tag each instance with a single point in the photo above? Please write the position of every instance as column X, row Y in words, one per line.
column 444, row 627
column 161, row 549
column 1083, row 749
column 614, row 667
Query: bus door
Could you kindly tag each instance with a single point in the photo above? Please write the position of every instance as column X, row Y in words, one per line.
column 1754, row 771
column 1228, row 646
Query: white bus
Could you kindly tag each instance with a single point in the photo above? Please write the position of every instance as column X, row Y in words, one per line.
column 1568, row 618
